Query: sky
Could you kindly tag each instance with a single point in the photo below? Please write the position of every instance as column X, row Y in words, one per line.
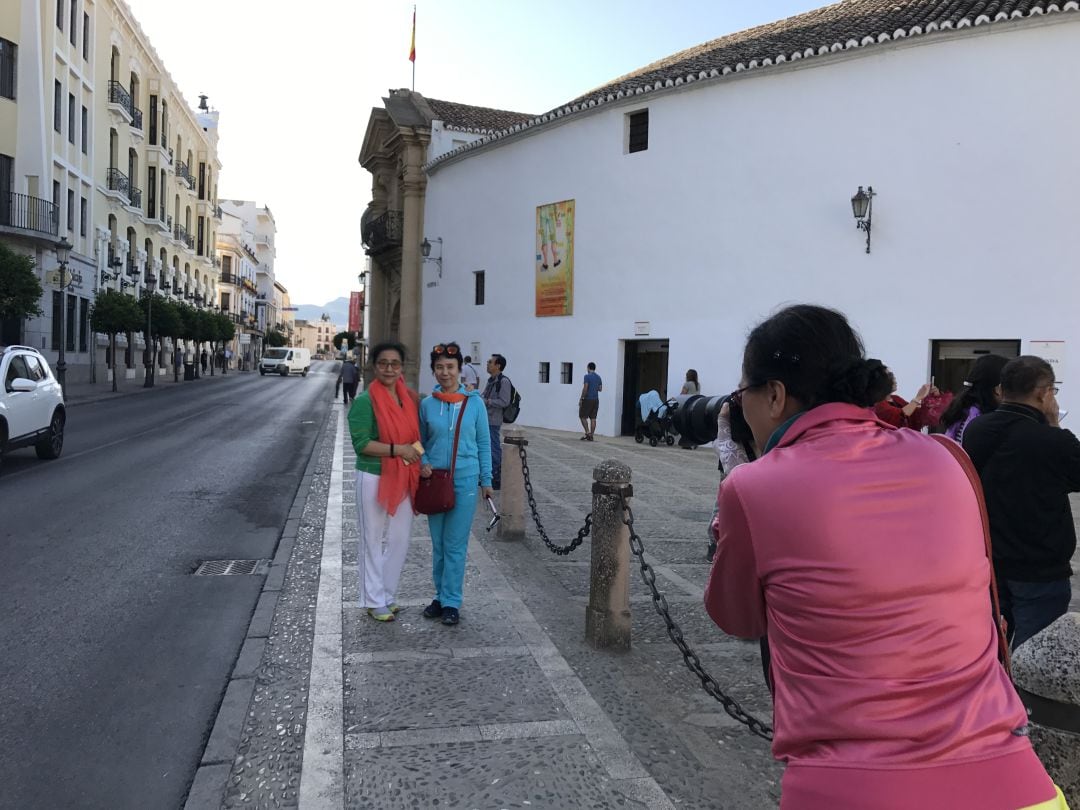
column 295, row 90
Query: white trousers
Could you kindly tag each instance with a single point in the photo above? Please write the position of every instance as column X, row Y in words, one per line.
column 384, row 543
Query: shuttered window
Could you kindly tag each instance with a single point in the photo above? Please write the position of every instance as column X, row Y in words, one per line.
column 638, row 131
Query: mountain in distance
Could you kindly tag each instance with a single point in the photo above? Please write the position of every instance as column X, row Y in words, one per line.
column 338, row 310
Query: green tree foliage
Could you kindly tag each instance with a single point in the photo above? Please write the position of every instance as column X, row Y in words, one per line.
column 20, row 290
column 275, row 338
column 344, row 337
column 116, row 313
column 226, row 328
column 165, row 318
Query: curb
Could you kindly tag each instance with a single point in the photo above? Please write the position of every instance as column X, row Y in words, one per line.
column 208, row 787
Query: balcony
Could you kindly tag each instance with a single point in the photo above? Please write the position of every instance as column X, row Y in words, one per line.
column 229, row 278
column 382, row 233
column 182, row 171
column 117, row 183
column 135, row 196
column 120, row 101
column 181, row 235
column 22, row 212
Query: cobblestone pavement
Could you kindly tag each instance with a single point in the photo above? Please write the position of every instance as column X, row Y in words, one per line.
column 510, row 708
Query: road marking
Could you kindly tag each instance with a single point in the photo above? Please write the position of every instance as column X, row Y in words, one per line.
column 323, row 766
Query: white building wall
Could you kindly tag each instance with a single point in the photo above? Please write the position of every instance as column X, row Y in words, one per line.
column 741, row 204
column 445, row 140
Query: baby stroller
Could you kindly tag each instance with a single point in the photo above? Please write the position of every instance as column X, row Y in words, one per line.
column 654, row 420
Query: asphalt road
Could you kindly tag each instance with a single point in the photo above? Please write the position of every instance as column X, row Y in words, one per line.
column 113, row 657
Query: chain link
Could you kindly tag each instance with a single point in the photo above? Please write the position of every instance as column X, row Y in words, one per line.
column 693, row 663
column 583, row 532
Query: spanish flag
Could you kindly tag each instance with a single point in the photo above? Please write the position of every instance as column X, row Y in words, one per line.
column 412, row 45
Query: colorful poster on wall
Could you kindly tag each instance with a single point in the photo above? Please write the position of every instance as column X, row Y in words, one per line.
column 555, row 259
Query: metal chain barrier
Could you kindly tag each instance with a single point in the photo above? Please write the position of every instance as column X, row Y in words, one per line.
column 583, row 532
column 693, row 663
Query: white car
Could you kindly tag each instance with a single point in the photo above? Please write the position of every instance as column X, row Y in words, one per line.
column 32, row 410
column 285, row 360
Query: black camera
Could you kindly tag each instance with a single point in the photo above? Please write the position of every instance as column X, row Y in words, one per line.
column 695, row 420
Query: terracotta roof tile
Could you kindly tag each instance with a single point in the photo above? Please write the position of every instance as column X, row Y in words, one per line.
column 467, row 118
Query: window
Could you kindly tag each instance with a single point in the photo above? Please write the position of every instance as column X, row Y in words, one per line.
column 74, row 17
column 58, row 94
column 71, row 118
column 57, row 310
column 202, row 181
column 9, row 60
column 84, row 322
column 637, row 131
column 16, row 370
column 71, row 210
column 201, row 226
column 545, row 372
column 567, row 373
column 479, row 294
column 56, row 198
column 225, row 301
column 226, row 263
column 153, row 120
column 33, row 367
column 151, row 191
column 72, row 304
column 60, row 14
column 86, row 37
column 82, row 216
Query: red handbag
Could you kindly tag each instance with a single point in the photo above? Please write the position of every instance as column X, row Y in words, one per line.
column 435, row 494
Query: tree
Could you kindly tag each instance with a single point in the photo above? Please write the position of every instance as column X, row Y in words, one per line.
column 116, row 313
column 275, row 338
column 226, row 331
column 163, row 320
column 344, row 337
column 20, row 290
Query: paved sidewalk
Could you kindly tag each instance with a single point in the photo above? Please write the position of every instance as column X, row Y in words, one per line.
column 329, row 709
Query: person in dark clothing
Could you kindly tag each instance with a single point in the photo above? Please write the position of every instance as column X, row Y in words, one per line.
column 350, row 378
column 496, row 397
column 1028, row 466
column 204, row 360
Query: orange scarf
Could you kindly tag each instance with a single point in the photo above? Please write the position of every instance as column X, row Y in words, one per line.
column 397, row 425
column 443, row 396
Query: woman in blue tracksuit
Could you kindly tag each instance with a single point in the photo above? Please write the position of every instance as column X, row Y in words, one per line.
column 450, row 530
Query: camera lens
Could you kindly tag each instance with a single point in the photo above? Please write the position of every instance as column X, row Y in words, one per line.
column 695, row 418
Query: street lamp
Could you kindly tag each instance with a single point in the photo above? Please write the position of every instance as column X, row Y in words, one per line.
column 151, row 353
column 862, row 206
column 63, row 253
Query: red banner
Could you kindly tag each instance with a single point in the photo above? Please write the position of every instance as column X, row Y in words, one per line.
column 356, row 312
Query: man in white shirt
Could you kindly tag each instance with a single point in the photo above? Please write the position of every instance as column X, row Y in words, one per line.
column 469, row 375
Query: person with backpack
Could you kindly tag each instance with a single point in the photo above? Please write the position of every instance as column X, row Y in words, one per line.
column 497, row 396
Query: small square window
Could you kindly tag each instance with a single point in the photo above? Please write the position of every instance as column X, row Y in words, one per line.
column 479, row 288
column 637, row 131
column 545, row 372
column 567, row 376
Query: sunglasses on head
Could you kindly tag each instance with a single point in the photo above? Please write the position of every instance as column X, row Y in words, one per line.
column 443, row 349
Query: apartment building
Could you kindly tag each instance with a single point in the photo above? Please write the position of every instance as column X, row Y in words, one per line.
column 104, row 151
column 237, row 293
column 258, row 221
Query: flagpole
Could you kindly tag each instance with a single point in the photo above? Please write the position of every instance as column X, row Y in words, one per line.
column 412, row 54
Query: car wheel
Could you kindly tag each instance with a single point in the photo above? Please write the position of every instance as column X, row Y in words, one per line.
column 303, row 373
column 284, row 371
column 53, row 444
column 262, row 373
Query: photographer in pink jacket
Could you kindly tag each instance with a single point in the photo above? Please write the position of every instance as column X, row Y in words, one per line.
column 857, row 549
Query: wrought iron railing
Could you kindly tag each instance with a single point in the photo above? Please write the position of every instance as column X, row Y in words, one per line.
column 118, row 94
column 184, row 172
column 29, row 213
column 229, row 278
column 383, row 232
column 136, row 117
column 135, row 196
column 116, row 180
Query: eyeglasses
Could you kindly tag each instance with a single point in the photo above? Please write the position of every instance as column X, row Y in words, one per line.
column 1052, row 387
column 443, row 349
column 388, row 363
column 735, row 397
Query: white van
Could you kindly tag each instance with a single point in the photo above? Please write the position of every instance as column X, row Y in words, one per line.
column 285, row 360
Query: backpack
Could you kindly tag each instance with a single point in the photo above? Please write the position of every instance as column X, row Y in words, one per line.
column 511, row 411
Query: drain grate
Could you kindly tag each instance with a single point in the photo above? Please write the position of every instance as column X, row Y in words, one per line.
column 226, row 568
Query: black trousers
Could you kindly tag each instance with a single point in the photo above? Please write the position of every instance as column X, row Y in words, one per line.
column 349, row 390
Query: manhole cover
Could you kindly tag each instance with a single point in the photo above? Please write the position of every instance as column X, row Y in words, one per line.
column 225, row 568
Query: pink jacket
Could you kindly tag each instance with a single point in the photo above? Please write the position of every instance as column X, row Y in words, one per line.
column 858, row 549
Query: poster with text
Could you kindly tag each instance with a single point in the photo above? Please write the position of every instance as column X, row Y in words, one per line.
column 555, row 259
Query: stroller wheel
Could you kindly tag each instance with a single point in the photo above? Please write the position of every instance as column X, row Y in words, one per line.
column 652, row 441
column 639, row 437
column 670, row 440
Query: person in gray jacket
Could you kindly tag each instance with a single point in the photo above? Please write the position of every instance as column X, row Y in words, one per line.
column 496, row 397
column 350, row 377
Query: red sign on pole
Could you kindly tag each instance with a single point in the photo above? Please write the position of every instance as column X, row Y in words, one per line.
column 356, row 312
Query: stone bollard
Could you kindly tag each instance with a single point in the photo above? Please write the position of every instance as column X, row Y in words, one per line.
column 607, row 618
column 1046, row 669
column 511, row 501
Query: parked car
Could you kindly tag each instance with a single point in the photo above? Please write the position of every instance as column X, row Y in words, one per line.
column 32, row 411
column 285, row 360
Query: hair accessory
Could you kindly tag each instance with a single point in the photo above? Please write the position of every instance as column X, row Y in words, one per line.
column 443, row 349
column 967, row 384
column 787, row 358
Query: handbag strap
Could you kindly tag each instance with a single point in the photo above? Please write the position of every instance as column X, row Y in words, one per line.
column 457, row 435
column 966, row 464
